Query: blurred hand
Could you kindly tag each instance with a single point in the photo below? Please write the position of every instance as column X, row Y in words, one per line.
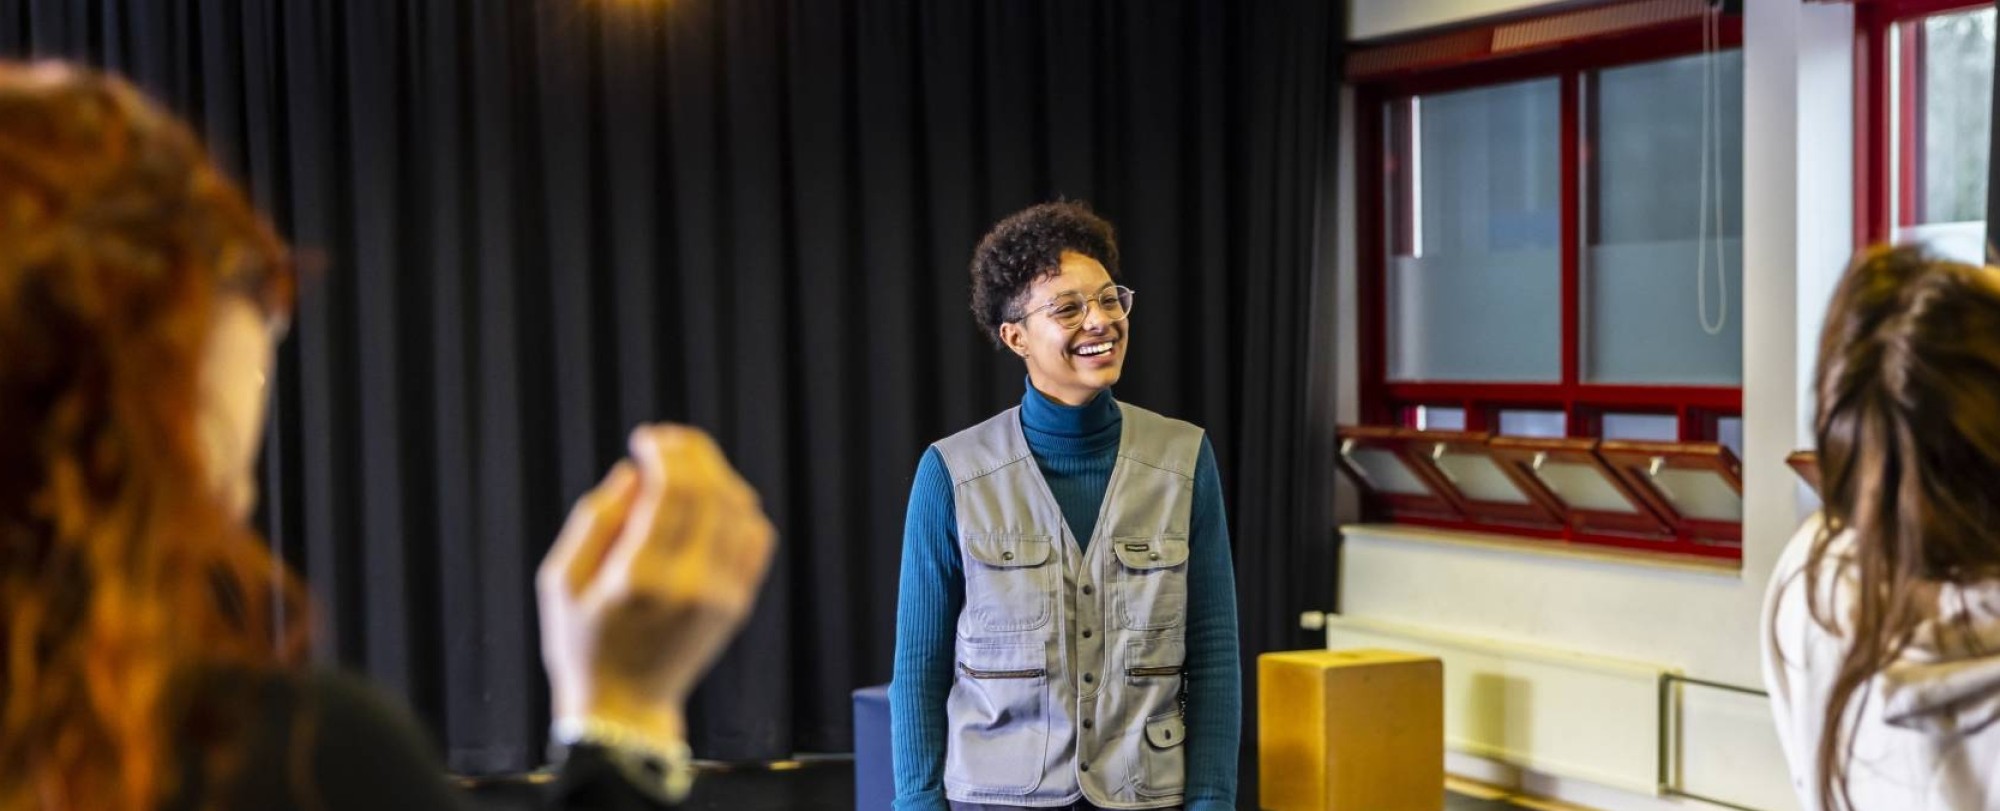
column 652, row 575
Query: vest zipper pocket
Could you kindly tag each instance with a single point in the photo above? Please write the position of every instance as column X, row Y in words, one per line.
column 1137, row 672
column 1001, row 674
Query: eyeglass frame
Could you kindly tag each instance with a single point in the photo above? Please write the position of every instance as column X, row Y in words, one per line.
column 1089, row 301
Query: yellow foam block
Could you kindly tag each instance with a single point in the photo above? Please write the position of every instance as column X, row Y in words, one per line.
column 1350, row 730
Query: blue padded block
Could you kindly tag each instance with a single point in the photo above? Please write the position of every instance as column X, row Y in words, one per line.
column 874, row 783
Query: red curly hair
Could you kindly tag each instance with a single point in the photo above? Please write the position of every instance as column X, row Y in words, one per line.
column 121, row 573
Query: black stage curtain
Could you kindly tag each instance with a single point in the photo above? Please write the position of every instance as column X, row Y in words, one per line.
column 543, row 222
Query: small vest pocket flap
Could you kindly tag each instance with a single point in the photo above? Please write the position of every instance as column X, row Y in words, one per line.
column 1166, row 731
column 1008, row 551
column 1152, row 551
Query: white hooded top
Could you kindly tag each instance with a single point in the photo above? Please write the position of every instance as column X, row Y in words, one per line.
column 1926, row 738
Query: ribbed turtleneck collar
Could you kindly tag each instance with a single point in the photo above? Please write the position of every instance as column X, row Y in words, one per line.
column 1054, row 427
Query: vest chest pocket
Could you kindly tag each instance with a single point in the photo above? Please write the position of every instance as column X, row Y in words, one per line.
column 1152, row 580
column 1009, row 581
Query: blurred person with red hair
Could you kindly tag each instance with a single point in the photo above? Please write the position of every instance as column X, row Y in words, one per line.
column 148, row 656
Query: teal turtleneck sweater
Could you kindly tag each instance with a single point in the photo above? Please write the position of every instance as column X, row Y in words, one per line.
column 1076, row 448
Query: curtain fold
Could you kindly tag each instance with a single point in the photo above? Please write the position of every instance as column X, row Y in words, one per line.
column 1282, row 513
column 539, row 222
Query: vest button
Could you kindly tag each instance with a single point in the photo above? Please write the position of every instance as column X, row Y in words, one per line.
column 1010, row 556
column 1087, row 723
column 1087, row 590
column 1156, row 556
column 1088, row 679
column 1086, row 633
column 1083, row 767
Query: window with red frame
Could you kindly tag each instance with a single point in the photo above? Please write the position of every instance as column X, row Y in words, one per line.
column 1551, row 278
column 1925, row 88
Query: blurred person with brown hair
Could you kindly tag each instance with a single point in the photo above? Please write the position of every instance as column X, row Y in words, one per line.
column 1882, row 646
column 149, row 658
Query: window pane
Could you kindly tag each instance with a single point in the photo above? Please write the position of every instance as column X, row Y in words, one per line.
column 1647, row 427
column 1954, row 121
column 1584, row 487
column 1475, row 285
column 1480, row 478
column 1546, row 424
column 1729, row 432
column 1440, row 418
column 1663, row 277
column 1957, row 115
column 1699, row 494
column 1387, row 472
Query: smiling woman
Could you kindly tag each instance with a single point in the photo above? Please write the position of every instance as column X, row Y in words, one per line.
column 1068, row 553
column 1074, row 353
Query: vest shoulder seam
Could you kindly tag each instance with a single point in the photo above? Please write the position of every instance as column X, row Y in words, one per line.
column 1179, row 431
column 1185, row 474
column 977, row 475
column 952, row 460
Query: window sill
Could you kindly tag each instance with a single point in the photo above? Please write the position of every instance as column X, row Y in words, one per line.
column 1555, row 549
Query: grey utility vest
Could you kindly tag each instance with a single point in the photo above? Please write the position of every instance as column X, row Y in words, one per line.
column 1069, row 663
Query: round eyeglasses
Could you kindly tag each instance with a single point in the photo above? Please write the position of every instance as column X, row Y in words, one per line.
column 1070, row 309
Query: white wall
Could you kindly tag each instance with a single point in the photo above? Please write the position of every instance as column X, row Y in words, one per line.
column 1798, row 220
column 1368, row 19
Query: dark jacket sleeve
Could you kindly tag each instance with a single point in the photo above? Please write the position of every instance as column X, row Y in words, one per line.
column 344, row 745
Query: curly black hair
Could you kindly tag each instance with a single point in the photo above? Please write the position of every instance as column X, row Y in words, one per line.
column 1028, row 246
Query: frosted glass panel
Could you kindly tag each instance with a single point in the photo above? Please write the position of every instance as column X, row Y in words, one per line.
column 1663, row 276
column 1729, row 432
column 1439, row 418
column 1643, row 314
column 1582, row 486
column 1476, row 295
column 1387, row 472
column 1544, row 424
column 1480, row 478
column 1699, row 494
column 1482, row 318
column 1648, row 427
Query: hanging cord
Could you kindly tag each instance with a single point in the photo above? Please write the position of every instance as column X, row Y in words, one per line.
column 1711, row 179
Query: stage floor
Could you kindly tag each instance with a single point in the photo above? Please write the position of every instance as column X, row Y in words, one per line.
column 815, row 785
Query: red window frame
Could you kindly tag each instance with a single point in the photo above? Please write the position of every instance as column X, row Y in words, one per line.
column 1640, row 527
column 1447, row 502
column 1638, row 461
column 1698, row 409
column 1440, row 502
column 1875, row 124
